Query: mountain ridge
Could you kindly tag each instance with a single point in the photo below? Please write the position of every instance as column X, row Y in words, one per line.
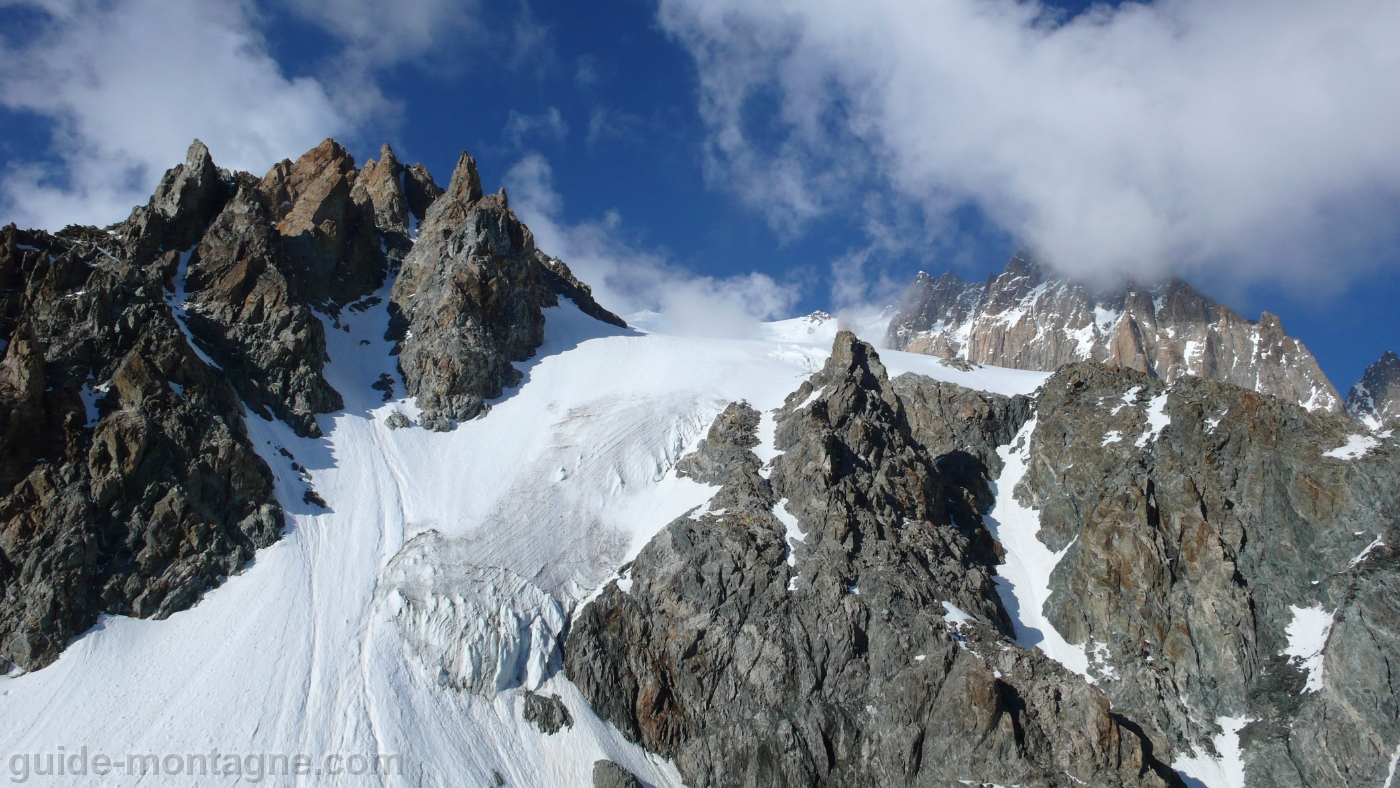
column 1029, row 317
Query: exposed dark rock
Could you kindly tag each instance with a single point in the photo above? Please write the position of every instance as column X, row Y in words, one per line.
column 385, row 385
column 250, row 317
column 846, row 668
column 381, row 184
column 420, row 191
column 468, row 301
column 327, row 226
column 187, row 199
column 1190, row 542
column 1375, row 399
column 397, row 421
column 1028, row 317
column 962, row 428
column 547, row 712
column 607, row 774
column 137, row 500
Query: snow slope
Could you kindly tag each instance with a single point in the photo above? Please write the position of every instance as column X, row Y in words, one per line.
column 338, row 641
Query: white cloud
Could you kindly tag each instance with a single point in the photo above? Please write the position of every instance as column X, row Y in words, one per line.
column 549, row 124
column 379, row 33
column 383, row 32
column 129, row 84
column 1245, row 139
column 642, row 286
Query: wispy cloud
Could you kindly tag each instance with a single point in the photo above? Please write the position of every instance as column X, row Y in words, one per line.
column 127, row 85
column 639, row 284
column 1251, row 139
column 521, row 127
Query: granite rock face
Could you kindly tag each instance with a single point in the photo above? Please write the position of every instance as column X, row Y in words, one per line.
column 871, row 648
column 248, row 315
column 328, row 226
column 468, row 301
column 1375, row 399
column 127, row 485
column 1198, row 520
column 962, row 429
column 1029, row 318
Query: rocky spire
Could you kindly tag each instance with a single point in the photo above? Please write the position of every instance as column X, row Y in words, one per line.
column 873, row 646
column 327, row 226
column 380, row 182
column 188, row 197
column 466, row 183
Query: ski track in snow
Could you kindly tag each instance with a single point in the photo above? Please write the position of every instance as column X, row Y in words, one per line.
column 566, row 479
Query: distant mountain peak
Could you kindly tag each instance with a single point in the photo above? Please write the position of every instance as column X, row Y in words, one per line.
column 1031, row 317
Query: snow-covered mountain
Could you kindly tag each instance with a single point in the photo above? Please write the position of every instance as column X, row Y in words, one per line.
column 1029, row 318
column 335, row 464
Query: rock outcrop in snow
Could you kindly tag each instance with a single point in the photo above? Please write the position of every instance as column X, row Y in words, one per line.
column 468, row 301
column 848, row 665
column 127, row 483
column 1029, row 318
column 1375, row 399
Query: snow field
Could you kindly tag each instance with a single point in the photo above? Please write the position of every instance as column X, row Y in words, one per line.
column 1356, row 447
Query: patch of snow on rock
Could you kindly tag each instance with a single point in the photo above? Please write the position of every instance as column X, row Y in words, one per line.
column 955, row 616
column 1362, row 556
column 1307, row 636
column 91, row 394
column 1227, row 771
column 794, row 532
column 1023, row 581
column 1157, row 419
column 1356, row 447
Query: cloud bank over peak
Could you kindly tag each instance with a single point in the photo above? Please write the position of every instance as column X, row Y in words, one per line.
column 642, row 286
column 1244, row 140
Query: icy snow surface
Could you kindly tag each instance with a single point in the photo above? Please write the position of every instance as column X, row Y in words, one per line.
column 1307, row 636
column 1227, row 771
column 407, row 616
column 1023, row 582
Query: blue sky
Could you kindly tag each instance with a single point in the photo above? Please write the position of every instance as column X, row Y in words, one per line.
column 609, row 122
